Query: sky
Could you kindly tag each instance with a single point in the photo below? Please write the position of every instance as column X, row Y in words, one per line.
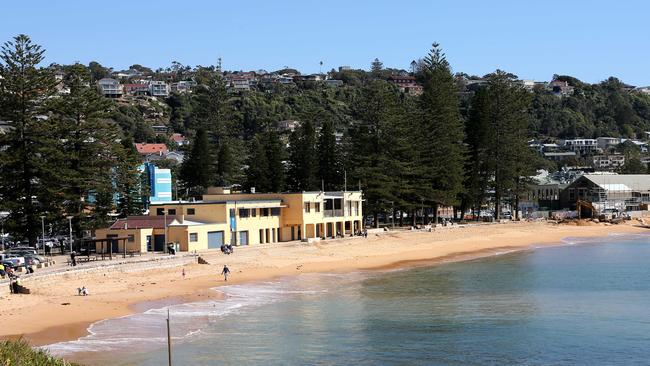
column 590, row 40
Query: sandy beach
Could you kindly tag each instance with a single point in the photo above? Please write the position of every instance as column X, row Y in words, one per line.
column 54, row 312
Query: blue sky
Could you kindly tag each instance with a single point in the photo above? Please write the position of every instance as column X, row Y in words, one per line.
column 590, row 40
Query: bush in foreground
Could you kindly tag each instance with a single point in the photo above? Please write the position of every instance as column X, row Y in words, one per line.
column 20, row 353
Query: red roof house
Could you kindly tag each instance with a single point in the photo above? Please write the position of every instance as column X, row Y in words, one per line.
column 151, row 149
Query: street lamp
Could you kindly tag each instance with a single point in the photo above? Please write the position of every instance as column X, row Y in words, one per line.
column 43, row 232
column 70, row 229
column 3, row 216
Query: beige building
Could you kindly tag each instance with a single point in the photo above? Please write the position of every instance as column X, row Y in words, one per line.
column 224, row 217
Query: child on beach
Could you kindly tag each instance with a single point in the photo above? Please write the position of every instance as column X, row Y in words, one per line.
column 225, row 272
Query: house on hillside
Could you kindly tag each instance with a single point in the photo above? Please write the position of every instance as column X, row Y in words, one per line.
column 136, row 89
column 288, row 125
column 581, row 147
column 184, row 86
column 127, row 74
column 605, row 143
column 145, row 149
column 110, row 88
column 179, row 139
column 608, row 162
column 406, row 84
column 158, row 88
column 561, row 88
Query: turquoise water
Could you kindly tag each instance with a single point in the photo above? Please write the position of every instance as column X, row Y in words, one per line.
column 566, row 305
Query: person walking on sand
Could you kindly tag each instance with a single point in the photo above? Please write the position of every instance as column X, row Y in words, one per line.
column 183, row 273
column 225, row 272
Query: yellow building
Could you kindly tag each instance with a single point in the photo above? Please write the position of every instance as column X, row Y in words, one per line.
column 222, row 217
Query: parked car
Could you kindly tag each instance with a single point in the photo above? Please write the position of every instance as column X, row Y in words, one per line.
column 29, row 258
column 8, row 264
column 21, row 249
column 15, row 261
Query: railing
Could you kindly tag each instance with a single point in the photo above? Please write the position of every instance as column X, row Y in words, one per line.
column 333, row 213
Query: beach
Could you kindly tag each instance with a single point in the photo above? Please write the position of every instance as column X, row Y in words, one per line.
column 54, row 312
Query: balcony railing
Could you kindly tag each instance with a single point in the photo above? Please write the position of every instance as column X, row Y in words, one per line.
column 333, row 213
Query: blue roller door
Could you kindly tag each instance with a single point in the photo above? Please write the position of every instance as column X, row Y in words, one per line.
column 215, row 239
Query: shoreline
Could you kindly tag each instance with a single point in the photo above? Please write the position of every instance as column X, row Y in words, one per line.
column 132, row 292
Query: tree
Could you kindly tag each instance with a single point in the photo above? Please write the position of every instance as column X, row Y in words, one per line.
column 257, row 171
column 26, row 147
column 87, row 147
column 131, row 187
column 328, row 158
column 379, row 152
column 477, row 174
column 633, row 165
column 509, row 154
column 196, row 171
column 303, row 160
column 440, row 135
column 97, row 71
column 276, row 155
column 376, row 67
column 212, row 112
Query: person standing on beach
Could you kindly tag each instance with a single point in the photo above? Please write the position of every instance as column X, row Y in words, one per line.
column 225, row 272
column 183, row 273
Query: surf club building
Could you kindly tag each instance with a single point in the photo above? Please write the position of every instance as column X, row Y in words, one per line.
column 225, row 217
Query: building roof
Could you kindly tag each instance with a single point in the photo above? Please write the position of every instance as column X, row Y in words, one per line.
column 142, row 222
column 187, row 223
column 145, row 148
column 621, row 182
column 177, row 137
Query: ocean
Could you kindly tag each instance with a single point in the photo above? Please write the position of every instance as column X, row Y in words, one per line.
column 583, row 302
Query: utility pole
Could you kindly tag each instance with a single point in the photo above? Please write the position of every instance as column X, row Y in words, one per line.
column 70, row 228
column 43, row 233
column 169, row 342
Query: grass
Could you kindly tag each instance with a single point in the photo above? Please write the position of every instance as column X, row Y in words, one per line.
column 20, row 353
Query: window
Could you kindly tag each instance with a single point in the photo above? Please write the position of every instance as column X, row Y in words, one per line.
column 307, row 207
column 171, row 211
column 253, row 212
column 264, row 212
column 194, row 237
column 131, row 238
column 275, row 211
column 190, row 211
column 160, row 211
column 243, row 212
column 317, row 206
